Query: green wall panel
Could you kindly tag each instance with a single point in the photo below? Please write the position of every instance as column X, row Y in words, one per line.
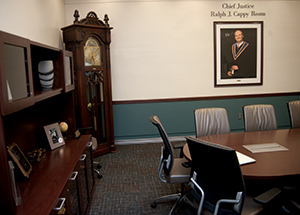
column 131, row 121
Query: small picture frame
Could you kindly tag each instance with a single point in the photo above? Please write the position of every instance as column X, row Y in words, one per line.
column 19, row 158
column 54, row 136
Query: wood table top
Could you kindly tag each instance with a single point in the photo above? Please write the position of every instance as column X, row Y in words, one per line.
column 268, row 165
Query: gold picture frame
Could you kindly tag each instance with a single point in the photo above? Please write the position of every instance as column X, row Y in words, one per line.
column 19, row 158
column 54, row 135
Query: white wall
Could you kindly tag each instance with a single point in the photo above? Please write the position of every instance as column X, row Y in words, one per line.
column 164, row 49
column 37, row 20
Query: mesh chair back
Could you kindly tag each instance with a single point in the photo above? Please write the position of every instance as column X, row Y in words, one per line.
column 211, row 121
column 294, row 112
column 168, row 152
column 259, row 117
column 218, row 173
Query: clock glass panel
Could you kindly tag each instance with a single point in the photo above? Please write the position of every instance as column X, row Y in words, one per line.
column 92, row 52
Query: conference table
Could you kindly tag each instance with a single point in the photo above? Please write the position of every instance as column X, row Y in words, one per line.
column 268, row 165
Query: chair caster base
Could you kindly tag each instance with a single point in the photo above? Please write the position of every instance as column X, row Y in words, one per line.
column 97, row 165
column 153, row 205
column 98, row 173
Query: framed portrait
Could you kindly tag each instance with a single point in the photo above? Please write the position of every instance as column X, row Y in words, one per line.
column 238, row 53
column 54, row 135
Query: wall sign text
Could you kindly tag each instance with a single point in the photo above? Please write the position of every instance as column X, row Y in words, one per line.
column 237, row 10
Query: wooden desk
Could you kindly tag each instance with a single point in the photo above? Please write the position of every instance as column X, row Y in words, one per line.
column 268, row 165
column 50, row 176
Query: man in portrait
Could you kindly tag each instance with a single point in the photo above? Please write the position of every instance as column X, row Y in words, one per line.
column 238, row 60
column 54, row 135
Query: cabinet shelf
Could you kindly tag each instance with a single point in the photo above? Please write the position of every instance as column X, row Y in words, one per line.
column 40, row 95
column 45, row 53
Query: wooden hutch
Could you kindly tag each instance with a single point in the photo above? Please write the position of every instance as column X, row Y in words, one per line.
column 89, row 40
column 66, row 172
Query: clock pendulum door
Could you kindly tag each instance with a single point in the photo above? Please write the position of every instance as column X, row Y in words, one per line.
column 96, row 108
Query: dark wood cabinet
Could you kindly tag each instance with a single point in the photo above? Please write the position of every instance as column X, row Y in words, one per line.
column 89, row 39
column 76, row 197
column 16, row 78
column 20, row 82
column 26, row 108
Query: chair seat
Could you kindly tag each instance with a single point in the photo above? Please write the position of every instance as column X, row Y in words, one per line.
column 179, row 174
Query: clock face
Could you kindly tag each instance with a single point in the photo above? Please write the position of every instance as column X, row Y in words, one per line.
column 92, row 52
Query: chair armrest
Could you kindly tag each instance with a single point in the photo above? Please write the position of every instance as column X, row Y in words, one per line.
column 160, row 173
column 186, row 164
column 194, row 186
column 237, row 203
column 267, row 196
column 179, row 146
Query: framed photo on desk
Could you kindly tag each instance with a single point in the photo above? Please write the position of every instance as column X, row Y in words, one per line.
column 19, row 158
column 238, row 53
column 54, row 136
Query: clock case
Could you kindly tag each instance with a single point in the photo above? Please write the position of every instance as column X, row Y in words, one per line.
column 92, row 82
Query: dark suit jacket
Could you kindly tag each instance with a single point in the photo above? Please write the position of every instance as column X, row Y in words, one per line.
column 245, row 59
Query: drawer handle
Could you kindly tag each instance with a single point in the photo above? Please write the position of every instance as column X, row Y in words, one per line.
column 61, row 204
column 73, row 176
column 89, row 144
column 82, row 157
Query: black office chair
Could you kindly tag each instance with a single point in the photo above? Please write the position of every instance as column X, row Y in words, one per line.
column 259, row 117
column 170, row 169
column 218, row 183
column 210, row 121
column 294, row 113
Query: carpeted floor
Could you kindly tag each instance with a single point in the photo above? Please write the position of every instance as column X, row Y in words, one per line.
column 130, row 182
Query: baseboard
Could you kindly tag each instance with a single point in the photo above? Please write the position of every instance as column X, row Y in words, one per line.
column 147, row 140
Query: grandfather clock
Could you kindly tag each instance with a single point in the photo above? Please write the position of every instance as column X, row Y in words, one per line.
column 89, row 40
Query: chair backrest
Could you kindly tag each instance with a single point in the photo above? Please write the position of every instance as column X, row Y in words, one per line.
column 218, row 173
column 294, row 112
column 168, row 152
column 211, row 121
column 259, row 117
